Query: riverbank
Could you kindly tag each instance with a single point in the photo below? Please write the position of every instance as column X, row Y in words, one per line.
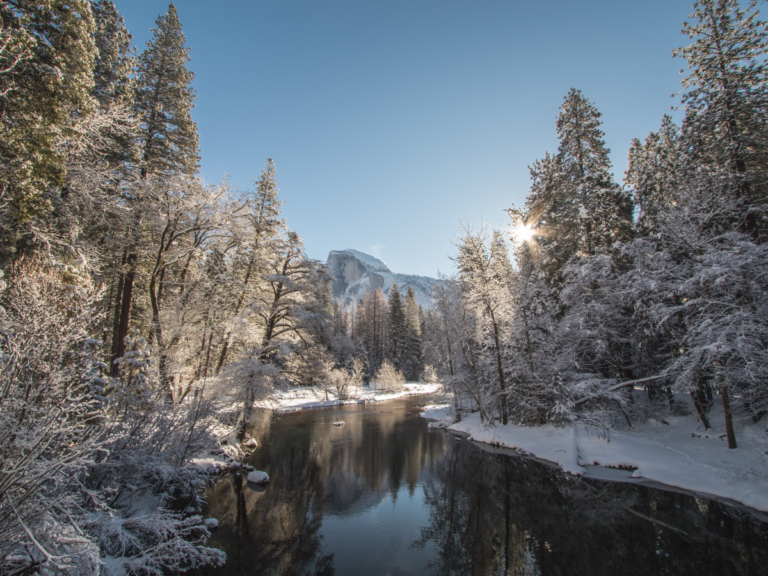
column 303, row 398
column 675, row 452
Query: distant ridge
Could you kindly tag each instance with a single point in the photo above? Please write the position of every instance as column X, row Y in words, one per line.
column 356, row 272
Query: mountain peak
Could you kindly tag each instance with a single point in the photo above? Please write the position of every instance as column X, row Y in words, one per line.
column 370, row 261
column 355, row 273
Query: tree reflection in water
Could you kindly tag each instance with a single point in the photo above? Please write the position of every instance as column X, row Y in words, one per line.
column 479, row 513
column 316, row 470
column 495, row 514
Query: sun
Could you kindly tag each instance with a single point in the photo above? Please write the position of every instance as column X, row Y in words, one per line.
column 523, row 233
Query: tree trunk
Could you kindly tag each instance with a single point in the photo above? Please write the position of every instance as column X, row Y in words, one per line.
column 228, row 336
column 116, row 316
column 125, row 310
column 728, row 419
column 499, row 370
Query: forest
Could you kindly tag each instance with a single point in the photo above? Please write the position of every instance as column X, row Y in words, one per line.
column 141, row 308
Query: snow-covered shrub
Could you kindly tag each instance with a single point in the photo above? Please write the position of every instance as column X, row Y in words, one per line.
column 51, row 417
column 93, row 467
column 339, row 381
column 388, row 378
column 141, row 484
column 430, row 374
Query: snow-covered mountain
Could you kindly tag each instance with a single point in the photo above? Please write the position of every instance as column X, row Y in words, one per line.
column 355, row 273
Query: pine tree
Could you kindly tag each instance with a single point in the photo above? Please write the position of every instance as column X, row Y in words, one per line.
column 46, row 79
column 605, row 211
column 574, row 207
column 397, row 328
column 115, row 61
column 264, row 226
column 168, row 140
column 726, row 96
column 412, row 353
column 114, row 86
column 654, row 172
column 164, row 100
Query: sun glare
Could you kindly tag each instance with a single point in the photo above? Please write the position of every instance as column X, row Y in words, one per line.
column 523, row 233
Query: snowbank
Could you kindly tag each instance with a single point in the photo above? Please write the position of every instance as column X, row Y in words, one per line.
column 302, row 398
column 670, row 452
column 442, row 413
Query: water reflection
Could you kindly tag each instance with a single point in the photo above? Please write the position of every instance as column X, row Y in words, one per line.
column 384, row 495
column 318, row 470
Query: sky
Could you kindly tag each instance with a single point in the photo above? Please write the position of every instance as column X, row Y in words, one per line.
column 393, row 122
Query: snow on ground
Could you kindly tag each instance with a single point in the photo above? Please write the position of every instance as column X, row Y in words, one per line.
column 670, row 452
column 301, row 398
column 211, row 463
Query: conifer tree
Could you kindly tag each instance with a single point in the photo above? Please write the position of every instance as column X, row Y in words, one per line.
column 47, row 56
column 726, row 96
column 115, row 61
column 575, row 207
column 654, row 174
column 113, row 83
column 164, row 100
column 605, row 211
column 264, row 226
column 412, row 353
column 397, row 327
column 168, row 139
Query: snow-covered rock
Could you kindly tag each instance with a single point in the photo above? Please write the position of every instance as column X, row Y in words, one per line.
column 355, row 273
column 258, row 477
column 211, row 523
column 250, row 443
column 339, row 423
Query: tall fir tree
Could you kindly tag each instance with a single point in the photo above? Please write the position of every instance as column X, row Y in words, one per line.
column 412, row 353
column 654, row 175
column 574, row 207
column 46, row 79
column 114, row 85
column 725, row 96
column 397, row 327
column 164, row 100
column 115, row 61
column 264, row 226
column 605, row 210
column 168, row 139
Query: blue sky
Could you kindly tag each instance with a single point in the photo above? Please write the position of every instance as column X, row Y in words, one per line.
column 391, row 121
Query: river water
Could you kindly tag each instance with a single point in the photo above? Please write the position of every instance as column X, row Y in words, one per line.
column 385, row 495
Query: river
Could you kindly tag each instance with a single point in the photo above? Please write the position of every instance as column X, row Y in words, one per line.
column 385, row 495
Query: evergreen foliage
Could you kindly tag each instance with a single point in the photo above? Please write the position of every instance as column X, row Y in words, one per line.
column 164, row 101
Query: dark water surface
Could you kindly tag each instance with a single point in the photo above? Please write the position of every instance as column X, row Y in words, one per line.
column 384, row 495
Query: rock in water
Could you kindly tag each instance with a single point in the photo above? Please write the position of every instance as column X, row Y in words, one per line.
column 258, row 477
column 339, row 423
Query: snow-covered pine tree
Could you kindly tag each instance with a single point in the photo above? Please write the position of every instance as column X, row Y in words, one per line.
column 164, row 100
column 264, row 225
column 653, row 174
column 114, row 86
column 115, row 61
column 398, row 336
column 604, row 209
column 412, row 353
column 46, row 80
column 725, row 96
column 537, row 393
